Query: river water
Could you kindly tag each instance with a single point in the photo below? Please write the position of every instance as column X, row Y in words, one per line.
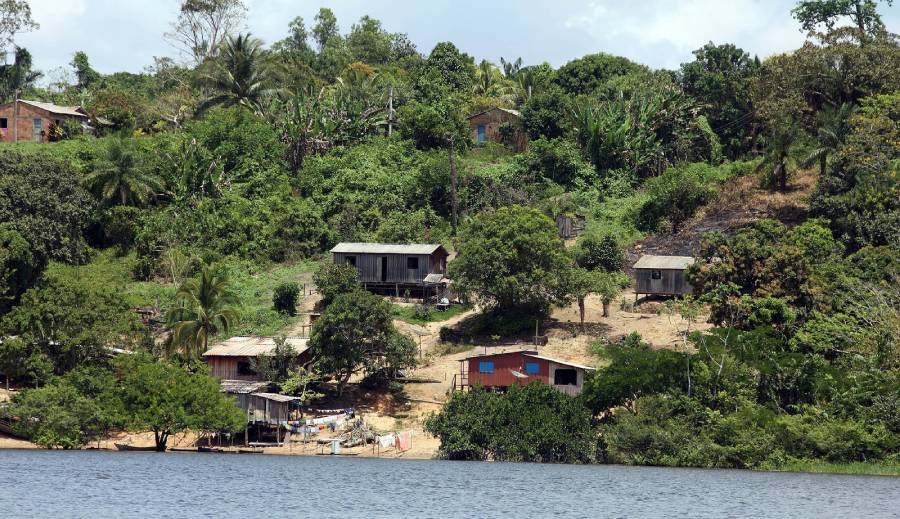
column 108, row 485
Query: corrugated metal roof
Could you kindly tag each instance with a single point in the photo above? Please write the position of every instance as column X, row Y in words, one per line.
column 386, row 248
column 242, row 387
column 558, row 361
column 530, row 353
column 253, row 346
column 434, row 278
column 664, row 262
column 507, row 110
column 276, row 397
column 503, row 352
column 56, row 109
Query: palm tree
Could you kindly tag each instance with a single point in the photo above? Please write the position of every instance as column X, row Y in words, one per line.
column 511, row 68
column 834, row 126
column 239, row 76
column 486, row 77
column 119, row 177
column 779, row 142
column 203, row 308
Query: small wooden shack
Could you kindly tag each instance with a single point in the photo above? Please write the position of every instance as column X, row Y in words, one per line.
column 230, row 360
column 491, row 125
column 498, row 371
column 569, row 225
column 662, row 275
column 266, row 411
column 393, row 269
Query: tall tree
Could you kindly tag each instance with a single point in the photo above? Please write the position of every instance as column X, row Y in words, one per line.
column 862, row 13
column 512, row 259
column 18, row 76
column 326, row 27
column 120, row 176
column 15, row 17
column 584, row 75
column 85, row 76
column 356, row 333
column 203, row 25
column 511, row 68
column 720, row 78
column 166, row 399
column 486, row 78
column 369, row 43
column 203, row 308
column 240, row 75
column 447, row 71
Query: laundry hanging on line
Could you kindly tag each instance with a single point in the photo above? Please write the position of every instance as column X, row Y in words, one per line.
column 404, row 440
column 386, row 441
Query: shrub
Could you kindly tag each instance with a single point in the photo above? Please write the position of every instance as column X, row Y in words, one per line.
column 57, row 415
column 285, row 298
column 674, row 197
column 534, row 423
column 333, row 280
column 604, row 253
column 422, row 312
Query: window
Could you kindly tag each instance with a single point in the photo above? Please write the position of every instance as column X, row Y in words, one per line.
column 412, row 263
column 243, row 368
column 485, row 367
column 532, row 368
column 565, row 377
column 656, row 274
column 3, row 122
column 482, row 133
column 37, row 128
column 350, row 260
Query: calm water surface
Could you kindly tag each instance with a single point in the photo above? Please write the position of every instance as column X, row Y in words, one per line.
column 109, row 485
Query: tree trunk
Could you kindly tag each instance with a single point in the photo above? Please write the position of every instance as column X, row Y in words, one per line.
column 860, row 22
column 122, row 194
column 781, row 177
column 823, row 164
column 687, row 356
column 605, row 308
column 581, row 311
column 454, row 203
column 161, row 438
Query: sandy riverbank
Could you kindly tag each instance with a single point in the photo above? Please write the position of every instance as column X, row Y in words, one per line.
column 423, row 446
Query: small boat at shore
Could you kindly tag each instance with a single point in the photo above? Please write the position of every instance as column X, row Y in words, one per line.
column 126, row 447
column 250, row 450
column 218, row 450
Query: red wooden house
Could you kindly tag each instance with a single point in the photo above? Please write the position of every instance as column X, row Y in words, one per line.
column 500, row 370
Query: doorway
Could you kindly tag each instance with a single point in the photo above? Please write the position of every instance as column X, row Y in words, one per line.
column 383, row 269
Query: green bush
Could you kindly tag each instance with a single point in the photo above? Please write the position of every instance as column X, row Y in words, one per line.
column 57, row 415
column 673, row 197
column 333, row 280
column 534, row 423
column 423, row 312
column 285, row 298
column 604, row 253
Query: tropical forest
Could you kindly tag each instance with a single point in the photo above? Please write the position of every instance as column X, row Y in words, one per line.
column 202, row 199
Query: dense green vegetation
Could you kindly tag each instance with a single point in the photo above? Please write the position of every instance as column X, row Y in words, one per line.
column 224, row 177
